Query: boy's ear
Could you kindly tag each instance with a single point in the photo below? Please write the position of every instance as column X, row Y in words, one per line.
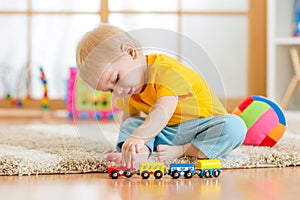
column 129, row 49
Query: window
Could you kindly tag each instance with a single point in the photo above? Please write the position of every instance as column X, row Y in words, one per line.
column 45, row 33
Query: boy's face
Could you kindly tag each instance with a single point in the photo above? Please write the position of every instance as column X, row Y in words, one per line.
column 124, row 77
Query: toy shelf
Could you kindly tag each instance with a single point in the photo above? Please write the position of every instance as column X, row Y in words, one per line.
column 280, row 70
column 288, row 41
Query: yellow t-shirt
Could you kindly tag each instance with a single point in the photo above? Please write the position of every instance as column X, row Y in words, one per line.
column 169, row 77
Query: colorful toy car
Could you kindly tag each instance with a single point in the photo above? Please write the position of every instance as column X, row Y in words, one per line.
column 182, row 169
column 114, row 171
column 208, row 168
column 156, row 169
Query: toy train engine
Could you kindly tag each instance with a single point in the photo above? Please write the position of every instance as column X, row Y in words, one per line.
column 114, row 171
column 156, row 169
column 208, row 168
column 182, row 169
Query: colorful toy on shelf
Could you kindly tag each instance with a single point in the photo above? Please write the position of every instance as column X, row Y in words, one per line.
column 297, row 19
column 264, row 120
column 20, row 102
column 83, row 103
column 45, row 99
column 17, row 101
column 202, row 168
column 20, row 88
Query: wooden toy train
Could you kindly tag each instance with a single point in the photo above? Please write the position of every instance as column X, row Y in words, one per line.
column 202, row 168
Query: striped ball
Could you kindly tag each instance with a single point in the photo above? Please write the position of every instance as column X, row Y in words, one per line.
column 264, row 119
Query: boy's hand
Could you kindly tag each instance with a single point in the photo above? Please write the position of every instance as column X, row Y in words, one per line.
column 131, row 147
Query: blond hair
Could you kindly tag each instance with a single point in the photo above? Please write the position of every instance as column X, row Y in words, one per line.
column 99, row 47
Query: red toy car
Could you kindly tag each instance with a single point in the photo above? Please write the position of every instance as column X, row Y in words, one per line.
column 114, row 171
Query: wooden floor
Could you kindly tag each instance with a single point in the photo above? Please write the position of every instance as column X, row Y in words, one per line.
column 264, row 184
column 257, row 184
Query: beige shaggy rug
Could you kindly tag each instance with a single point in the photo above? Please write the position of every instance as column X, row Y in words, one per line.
column 49, row 149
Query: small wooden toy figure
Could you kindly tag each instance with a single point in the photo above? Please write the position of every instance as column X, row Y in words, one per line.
column 45, row 99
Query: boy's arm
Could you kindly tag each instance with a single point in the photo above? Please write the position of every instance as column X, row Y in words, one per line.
column 126, row 116
column 157, row 119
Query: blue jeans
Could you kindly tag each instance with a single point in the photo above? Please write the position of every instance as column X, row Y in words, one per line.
column 215, row 136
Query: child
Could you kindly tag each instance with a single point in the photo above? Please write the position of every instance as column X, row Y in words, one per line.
column 183, row 115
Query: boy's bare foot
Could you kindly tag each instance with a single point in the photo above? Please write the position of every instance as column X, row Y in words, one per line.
column 167, row 152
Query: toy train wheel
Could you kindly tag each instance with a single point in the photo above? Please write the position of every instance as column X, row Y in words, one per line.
column 200, row 174
column 175, row 174
column 158, row 174
column 145, row 174
column 114, row 174
column 216, row 172
column 128, row 173
column 206, row 173
column 188, row 174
